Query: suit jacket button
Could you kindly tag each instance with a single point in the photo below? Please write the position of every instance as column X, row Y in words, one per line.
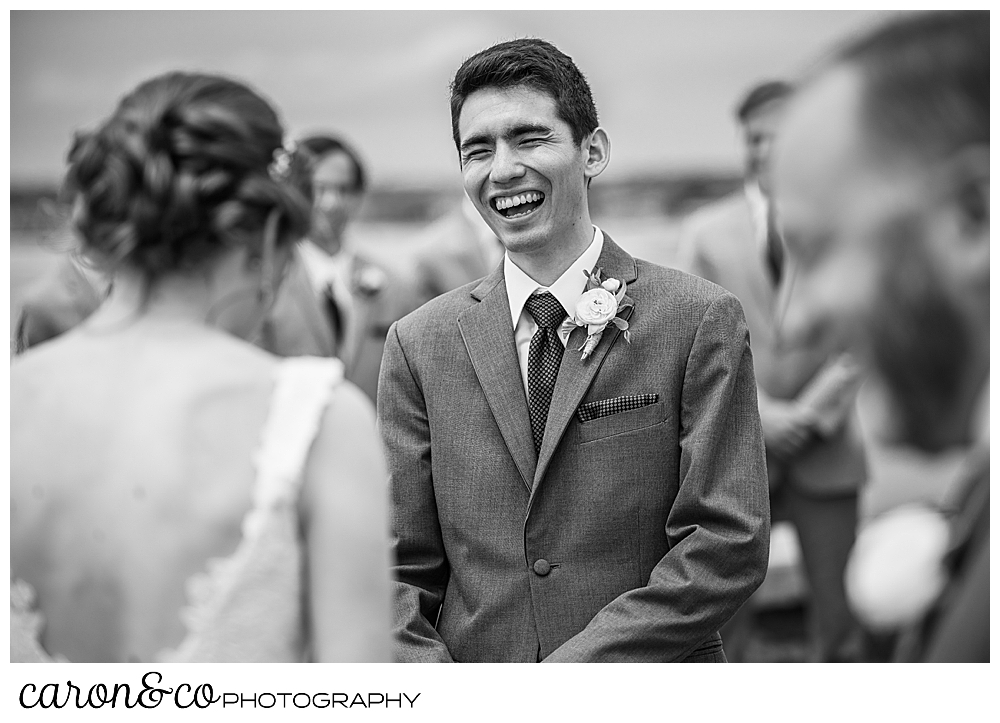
column 541, row 567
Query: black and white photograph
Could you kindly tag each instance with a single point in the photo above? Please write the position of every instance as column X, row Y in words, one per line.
column 497, row 336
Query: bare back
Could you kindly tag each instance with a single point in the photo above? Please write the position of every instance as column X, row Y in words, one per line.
column 131, row 465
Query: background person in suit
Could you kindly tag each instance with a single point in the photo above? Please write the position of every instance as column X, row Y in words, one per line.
column 548, row 506
column 58, row 301
column 452, row 251
column 336, row 301
column 815, row 456
column 882, row 179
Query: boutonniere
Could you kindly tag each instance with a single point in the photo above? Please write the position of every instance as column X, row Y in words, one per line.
column 368, row 280
column 599, row 306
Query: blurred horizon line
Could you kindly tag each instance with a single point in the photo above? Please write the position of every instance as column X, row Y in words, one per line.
column 40, row 206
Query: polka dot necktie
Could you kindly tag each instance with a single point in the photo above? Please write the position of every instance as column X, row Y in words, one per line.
column 544, row 356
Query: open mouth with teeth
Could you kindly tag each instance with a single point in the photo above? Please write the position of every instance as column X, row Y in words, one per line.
column 520, row 205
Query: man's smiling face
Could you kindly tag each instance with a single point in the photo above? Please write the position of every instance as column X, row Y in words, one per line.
column 522, row 170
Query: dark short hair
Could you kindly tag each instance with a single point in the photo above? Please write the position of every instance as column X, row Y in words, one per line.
column 760, row 95
column 926, row 81
column 534, row 63
column 309, row 151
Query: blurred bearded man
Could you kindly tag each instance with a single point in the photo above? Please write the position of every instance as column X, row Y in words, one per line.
column 882, row 186
column 815, row 456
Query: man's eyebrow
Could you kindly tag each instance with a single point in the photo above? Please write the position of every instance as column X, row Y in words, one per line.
column 526, row 129
column 508, row 134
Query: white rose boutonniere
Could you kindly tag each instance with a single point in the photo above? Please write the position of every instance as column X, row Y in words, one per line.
column 599, row 306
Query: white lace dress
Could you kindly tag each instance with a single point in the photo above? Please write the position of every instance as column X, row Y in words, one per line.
column 249, row 607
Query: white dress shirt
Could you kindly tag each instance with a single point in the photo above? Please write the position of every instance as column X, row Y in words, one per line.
column 758, row 214
column 567, row 289
column 325, row 270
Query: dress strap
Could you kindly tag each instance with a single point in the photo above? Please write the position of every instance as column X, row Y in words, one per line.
column 303, row 386
column 249, row 589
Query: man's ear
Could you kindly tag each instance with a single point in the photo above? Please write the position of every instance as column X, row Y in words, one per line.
column 967, row 175
column 971, row 179
column 598, row 148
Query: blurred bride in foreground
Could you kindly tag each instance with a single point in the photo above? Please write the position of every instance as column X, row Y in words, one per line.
column 176, row 493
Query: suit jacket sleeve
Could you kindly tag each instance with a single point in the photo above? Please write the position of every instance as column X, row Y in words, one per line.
column 831, row 393
column 689, row 256
column 61, row 301
column 719, row 524
column 421, row 568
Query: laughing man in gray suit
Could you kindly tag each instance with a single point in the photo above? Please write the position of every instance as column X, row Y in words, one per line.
column 576, row 460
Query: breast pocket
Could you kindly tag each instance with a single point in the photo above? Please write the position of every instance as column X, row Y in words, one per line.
column 622, row 422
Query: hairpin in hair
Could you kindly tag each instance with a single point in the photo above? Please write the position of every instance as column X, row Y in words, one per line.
column 282, row 161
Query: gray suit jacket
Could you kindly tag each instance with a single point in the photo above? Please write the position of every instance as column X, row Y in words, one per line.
column 60, row 300
column 299, row 324
column 447, row 255
column 631, row 537
column 717, row 243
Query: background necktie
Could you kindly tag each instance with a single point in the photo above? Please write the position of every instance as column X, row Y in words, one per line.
column 544, row 356
column 775, row 249
column 335, row 316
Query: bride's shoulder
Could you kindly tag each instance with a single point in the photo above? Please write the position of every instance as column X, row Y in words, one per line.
column 348, row 403
column 346, row 430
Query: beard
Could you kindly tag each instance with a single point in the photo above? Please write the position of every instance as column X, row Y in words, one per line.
column 920, row 343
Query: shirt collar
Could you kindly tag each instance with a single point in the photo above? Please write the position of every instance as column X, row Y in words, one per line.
column 758, row 211
column 321, row 268
column 567, row 288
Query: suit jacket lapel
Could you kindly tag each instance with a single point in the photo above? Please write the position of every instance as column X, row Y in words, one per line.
column 315, row 316
column 297, row 324
column 489, row 338
column 576, row 375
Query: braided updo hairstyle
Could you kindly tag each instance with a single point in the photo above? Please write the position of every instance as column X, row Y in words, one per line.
column 181, row 171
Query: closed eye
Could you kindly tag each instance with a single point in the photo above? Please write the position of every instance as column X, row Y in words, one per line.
column 474, row 154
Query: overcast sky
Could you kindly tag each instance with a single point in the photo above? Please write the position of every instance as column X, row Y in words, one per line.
column 665, row 82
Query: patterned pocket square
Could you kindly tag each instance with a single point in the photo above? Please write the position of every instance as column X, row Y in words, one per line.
column 605, row 407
